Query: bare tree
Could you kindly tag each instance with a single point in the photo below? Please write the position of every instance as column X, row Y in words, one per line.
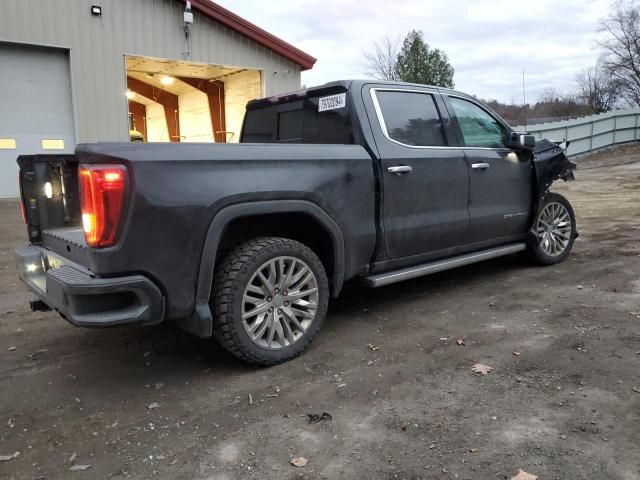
column 556, row 105
column 622, row 48
column 381, row 63
column 597, row 89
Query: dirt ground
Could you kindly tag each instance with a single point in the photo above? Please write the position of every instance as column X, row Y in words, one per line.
column 155, row 403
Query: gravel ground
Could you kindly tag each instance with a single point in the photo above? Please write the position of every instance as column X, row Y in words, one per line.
column 562, row 401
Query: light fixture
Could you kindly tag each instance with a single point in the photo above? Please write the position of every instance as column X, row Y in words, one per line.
column 96, row 10
column 188, row 14
column 48, row 190
column 166, row 80
column 130, row 94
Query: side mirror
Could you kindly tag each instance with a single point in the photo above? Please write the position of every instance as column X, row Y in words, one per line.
column 521, row 141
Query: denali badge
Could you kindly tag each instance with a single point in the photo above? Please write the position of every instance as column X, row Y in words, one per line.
column 332, row 102
column 517, row 214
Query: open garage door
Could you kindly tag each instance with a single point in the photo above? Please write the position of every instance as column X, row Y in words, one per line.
column 36, row 114
column 178, row 101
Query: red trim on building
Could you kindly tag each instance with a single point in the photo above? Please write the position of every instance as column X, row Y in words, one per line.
column 255, row 33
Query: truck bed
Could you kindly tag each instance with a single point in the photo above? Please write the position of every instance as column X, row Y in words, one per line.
column 178, row 189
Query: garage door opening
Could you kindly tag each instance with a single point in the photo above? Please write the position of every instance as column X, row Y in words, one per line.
column 175, row 101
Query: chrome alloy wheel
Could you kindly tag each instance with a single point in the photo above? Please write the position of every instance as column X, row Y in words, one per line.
column 279, row 302
column 553, row 229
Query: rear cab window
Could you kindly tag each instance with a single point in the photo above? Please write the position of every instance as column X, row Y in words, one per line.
column 321, row 117
column 409, row 118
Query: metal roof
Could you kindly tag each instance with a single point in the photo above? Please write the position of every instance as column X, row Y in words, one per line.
column 255, row 33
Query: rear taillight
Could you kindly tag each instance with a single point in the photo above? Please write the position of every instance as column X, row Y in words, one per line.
column 102, row 195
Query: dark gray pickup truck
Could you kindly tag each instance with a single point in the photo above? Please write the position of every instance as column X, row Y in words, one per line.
column 380, row 182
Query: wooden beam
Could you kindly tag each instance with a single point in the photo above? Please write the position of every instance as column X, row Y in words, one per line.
column 168, row 100
column 215, row 96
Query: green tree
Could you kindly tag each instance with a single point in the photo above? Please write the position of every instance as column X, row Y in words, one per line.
column 417, row 62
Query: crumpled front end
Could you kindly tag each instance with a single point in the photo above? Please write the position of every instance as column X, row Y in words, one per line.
column 550, row 164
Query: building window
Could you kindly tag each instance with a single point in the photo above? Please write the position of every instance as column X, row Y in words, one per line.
column 7, row 143
column 52, row 144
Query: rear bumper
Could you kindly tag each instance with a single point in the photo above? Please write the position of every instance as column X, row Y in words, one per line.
column 85, row 300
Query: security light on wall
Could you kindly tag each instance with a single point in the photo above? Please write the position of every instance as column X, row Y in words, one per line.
column 188, row 14
column 96, row 10
column 130, row 94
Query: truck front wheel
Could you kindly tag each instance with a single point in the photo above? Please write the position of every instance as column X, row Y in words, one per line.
column 553, row 232
column 269, row 299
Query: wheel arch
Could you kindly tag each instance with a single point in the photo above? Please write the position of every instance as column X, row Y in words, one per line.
column 200, row 323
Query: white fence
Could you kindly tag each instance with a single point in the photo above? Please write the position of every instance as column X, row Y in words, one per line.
column 591, row 133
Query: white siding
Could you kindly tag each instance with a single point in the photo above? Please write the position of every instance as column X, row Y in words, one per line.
column 156, row 124
column 195, row 119
column 150, row 28
column 238, row 90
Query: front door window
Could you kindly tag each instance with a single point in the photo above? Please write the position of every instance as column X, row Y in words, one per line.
column 479, row 129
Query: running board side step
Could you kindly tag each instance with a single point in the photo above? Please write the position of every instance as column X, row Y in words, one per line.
column 386, row 278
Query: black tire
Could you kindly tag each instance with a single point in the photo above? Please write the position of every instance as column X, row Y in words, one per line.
column 232, row 278
column 535, row 250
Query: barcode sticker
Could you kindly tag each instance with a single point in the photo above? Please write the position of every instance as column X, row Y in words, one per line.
column 333, row 102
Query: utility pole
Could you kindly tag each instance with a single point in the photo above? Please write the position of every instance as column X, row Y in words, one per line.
column 524, row 101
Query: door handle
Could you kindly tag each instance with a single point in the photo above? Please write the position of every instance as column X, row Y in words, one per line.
column 400, row 169
column 480, row 166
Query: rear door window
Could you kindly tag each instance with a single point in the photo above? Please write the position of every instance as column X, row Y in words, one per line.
column 479, row 129
column 411, row 118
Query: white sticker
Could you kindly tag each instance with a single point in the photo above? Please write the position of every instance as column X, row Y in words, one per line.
column 332, row 102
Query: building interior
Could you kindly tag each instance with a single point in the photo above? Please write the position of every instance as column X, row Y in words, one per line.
column 175, row 101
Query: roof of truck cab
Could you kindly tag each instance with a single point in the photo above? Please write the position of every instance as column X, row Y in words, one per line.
column 361, row 82
column 343, row 85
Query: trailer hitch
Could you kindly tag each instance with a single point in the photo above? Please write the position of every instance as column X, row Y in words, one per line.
column 38, row 306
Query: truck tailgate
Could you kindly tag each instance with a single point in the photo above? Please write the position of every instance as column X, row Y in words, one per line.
column 49, row 191
column 67, row 241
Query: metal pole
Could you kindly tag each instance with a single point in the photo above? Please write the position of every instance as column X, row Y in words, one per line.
column 524, row 101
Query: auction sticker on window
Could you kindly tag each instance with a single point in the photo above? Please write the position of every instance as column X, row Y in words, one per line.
column 332, row 102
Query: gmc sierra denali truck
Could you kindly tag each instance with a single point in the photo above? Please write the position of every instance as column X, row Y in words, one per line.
column 381, row 182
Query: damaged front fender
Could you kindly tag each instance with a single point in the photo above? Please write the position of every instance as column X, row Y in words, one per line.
column 550, row 164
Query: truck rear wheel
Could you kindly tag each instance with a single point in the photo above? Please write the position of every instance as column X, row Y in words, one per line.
column 269, row 299
column 553, row 231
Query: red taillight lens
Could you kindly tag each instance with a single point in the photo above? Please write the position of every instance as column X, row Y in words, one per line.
column 102, row 196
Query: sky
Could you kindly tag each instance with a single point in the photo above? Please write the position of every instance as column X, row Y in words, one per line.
column 489, row 42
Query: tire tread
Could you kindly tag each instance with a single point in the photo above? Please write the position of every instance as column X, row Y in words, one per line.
column 225, row 285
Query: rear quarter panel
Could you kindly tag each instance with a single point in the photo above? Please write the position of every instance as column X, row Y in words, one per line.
column 177, row 189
